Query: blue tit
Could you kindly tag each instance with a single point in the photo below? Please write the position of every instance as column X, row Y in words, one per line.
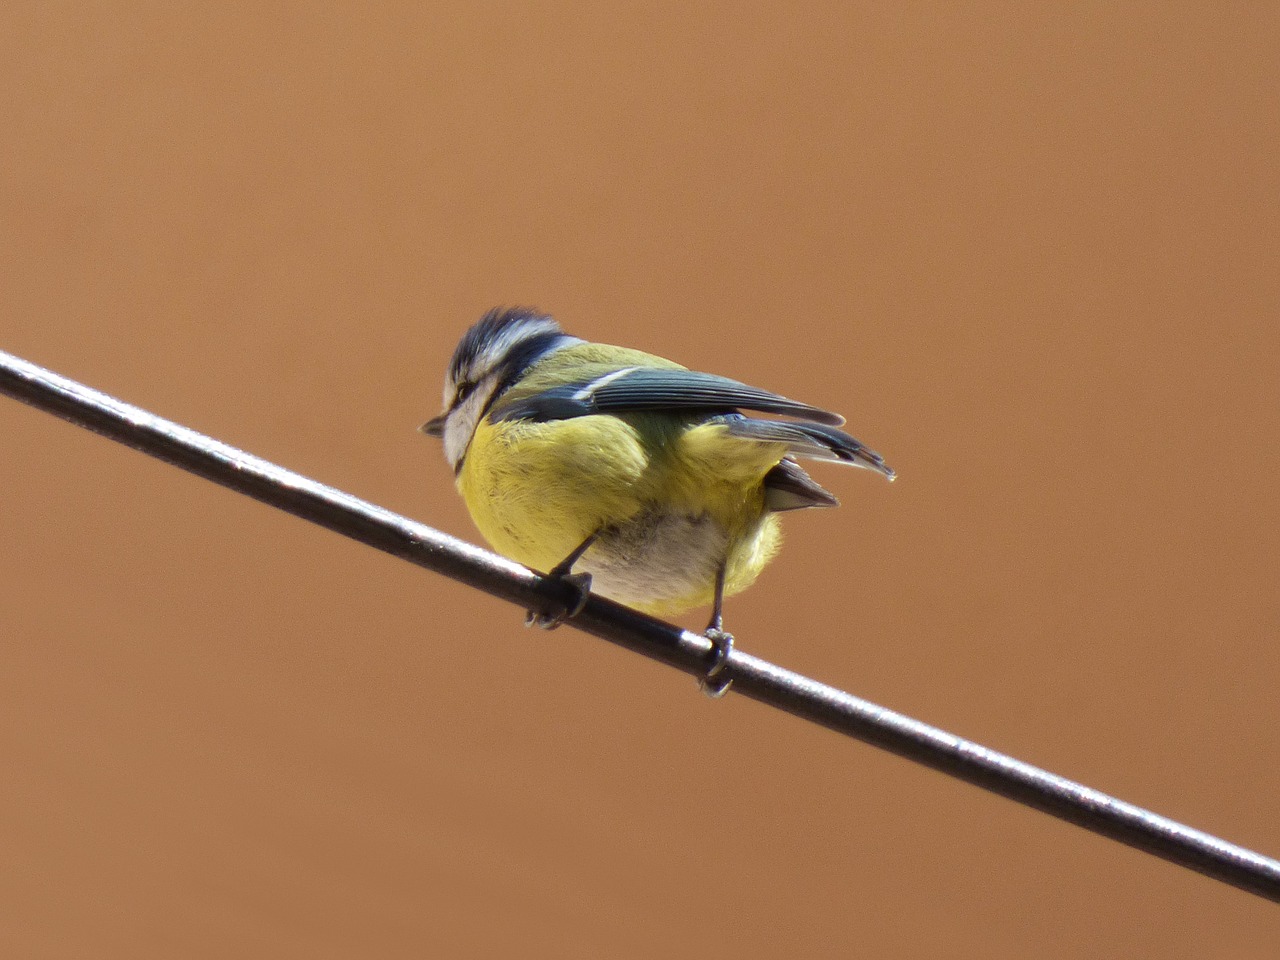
column 642, row 475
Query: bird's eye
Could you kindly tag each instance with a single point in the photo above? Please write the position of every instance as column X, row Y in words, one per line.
column 463, row 391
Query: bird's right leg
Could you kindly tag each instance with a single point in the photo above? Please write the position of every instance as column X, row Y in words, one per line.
column 714, row 684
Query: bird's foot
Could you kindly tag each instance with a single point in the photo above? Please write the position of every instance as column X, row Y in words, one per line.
column 578, row 589
column 714, row 684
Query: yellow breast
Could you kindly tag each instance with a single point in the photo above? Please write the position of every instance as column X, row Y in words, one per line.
column 538, row 490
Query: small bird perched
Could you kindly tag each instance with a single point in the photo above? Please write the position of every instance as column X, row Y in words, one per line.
column 640, row 473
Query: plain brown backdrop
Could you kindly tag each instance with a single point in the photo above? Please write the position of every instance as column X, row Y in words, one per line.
column 1031, row 252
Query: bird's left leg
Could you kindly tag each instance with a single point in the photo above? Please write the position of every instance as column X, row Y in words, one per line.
column 579, row 583
column 714, row 684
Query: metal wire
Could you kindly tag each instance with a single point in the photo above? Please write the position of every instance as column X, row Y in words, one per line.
column 660, row 641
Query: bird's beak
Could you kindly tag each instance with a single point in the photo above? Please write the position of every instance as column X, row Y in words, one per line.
column 434, row 427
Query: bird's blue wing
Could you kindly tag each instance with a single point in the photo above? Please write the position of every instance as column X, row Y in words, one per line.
column 641, row 389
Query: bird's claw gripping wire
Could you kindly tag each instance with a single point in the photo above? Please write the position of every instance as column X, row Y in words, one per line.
column 713, row 683
column 578, row 585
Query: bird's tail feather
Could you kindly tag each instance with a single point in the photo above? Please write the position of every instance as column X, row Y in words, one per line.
column 788, row 487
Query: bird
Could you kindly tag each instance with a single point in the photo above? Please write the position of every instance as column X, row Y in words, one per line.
column 626, row 474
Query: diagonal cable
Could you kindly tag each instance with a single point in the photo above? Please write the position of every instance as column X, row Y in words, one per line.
column 690, row 652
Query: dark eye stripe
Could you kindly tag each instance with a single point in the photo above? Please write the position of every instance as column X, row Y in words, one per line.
column 511, row 325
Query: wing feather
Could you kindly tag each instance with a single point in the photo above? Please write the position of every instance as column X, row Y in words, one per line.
column 640, row 389
column 813, row 440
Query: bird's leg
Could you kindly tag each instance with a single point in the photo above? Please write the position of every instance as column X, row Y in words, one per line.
column 579, row 583
column 714, row 684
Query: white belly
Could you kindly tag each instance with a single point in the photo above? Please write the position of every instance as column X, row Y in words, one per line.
column 657, row 559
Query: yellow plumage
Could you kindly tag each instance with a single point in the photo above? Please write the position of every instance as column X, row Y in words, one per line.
column 626, row 467
column 538, row 490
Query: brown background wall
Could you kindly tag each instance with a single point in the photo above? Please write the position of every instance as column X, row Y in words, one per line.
column 1031, row 253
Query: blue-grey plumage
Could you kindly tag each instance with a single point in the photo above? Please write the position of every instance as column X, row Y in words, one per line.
column 651, row 470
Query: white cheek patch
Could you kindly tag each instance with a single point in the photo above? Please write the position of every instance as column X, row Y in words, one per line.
column 461, row 423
